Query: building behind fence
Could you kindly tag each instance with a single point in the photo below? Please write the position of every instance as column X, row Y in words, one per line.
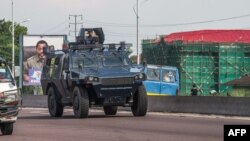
column 207, row 58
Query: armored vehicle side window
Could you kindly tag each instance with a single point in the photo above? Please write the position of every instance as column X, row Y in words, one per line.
column 45, row 71
column 48, row 62
column 51, row 67
column 57, row 68
column 65, row 67
column 66, row 63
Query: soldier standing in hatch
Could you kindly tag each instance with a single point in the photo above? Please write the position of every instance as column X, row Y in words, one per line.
column 36, row 61
column 92, row 38
column 194, row 90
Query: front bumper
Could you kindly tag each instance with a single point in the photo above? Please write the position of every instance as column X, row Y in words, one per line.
column 116, row 94
column 8, row 113
column 8, row 119
column 9, row 106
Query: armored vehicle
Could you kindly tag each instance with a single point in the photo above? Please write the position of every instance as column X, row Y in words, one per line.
column 91, row 74
column 9, row 99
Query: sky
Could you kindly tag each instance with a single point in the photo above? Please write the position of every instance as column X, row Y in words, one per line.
column 118, row 19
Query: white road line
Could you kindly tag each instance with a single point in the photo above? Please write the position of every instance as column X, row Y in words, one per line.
column 45, row 111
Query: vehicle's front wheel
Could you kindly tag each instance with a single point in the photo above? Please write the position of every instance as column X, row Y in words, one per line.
column 55, row 108
column 7, row 128
column 80, row 102
column 140, row 104
column 110, row 110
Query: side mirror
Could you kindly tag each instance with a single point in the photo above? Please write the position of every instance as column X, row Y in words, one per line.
column 17, row 71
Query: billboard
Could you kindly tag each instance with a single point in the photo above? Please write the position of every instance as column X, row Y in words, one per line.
column 33, row 57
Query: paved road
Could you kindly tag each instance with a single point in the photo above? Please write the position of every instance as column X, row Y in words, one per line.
column 36, row 125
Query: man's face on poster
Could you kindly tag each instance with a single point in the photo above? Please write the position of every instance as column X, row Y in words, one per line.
column 39, row 50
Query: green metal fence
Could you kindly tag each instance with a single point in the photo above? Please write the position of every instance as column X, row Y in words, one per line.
column 208, row 65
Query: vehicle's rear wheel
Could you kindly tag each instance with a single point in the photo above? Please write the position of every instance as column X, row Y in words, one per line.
column 6, row 128
column 140, row 104
column 55, row 108
column 110, row 110
column 80, row 102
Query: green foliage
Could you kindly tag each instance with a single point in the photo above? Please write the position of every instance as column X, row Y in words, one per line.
column 133, row 59
column 28, row 90
column 129, row 51
column 6, row 39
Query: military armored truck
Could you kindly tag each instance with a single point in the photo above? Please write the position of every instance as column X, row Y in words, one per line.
column 9, row 99
column 89, row 74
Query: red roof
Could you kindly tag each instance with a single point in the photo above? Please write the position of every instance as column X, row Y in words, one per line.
column 213, row 36
column 243, row 81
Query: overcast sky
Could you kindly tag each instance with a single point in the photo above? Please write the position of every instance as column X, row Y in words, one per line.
column 118, row 19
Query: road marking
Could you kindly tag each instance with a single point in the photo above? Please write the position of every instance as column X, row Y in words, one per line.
column 45, row 111
column 199, row 115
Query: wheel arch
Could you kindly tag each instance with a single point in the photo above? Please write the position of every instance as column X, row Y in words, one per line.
column 57, row 93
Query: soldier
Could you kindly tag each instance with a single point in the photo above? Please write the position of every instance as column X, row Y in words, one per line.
column 92, row 38
column 35, row 62
column 194, row 90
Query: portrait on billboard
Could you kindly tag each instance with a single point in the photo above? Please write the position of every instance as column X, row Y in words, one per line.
column 32, row 66
column 34, row 58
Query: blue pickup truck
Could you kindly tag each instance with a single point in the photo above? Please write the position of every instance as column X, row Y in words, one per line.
column 162, row 80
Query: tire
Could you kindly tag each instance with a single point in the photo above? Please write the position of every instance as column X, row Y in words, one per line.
column 7, row 128
column 110, row 110
column 80, row 102
column 140, row 104
column 55, row 108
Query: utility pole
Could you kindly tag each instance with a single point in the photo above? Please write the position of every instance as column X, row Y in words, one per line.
column 75, row 23
column 137, row 32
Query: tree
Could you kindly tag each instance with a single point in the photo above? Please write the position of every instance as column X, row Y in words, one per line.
column 133, row 59
column 129, row 51
column 6, row 39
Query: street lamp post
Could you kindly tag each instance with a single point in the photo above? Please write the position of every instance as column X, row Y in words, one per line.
column 13, row 40
column 137, row 29
column 13, row 36
column 137, row 33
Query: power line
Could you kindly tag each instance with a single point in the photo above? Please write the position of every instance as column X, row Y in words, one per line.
column 165, row 25
column 63, row 30
column 56, row 26
column 126, row 34
column 108, row 24
column 199, row 22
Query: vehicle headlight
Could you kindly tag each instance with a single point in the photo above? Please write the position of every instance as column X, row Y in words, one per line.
column 9, row 96
column 92, row 79
column 136, row 77
column 140, row 76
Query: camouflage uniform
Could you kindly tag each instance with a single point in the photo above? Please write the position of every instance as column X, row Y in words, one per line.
column 33, row 62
